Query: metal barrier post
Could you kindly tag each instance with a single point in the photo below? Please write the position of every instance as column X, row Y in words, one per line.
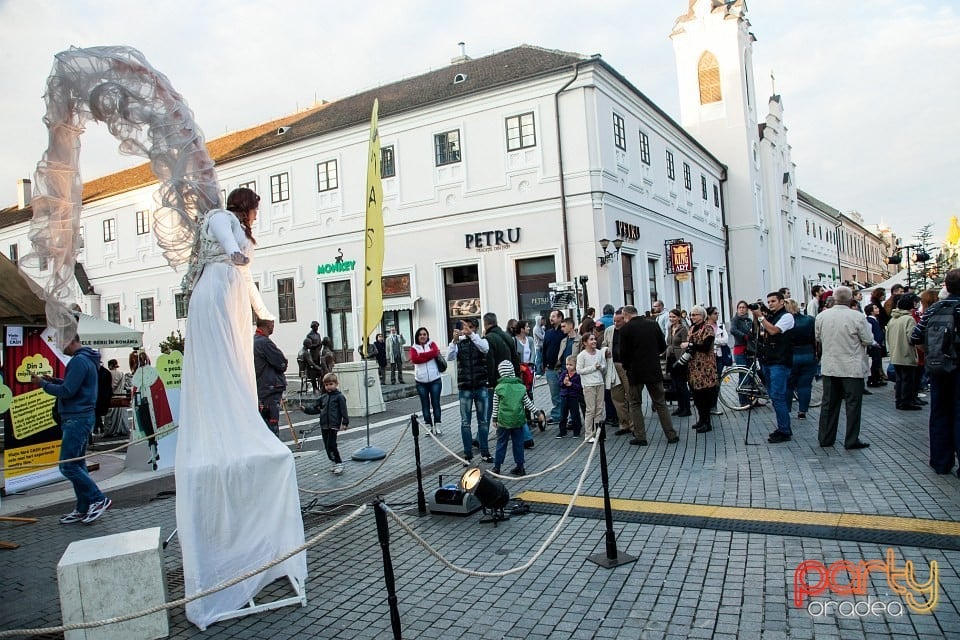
column 611, row 558
column 421, row 496
column 383, row 533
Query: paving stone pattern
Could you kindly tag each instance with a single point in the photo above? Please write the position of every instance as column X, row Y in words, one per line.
column 686, row 583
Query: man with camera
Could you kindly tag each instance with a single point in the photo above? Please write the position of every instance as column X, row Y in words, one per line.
column 776, row 356
column 470, row 352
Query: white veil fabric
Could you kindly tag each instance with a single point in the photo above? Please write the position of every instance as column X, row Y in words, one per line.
column 117, row 86
column 238, row 504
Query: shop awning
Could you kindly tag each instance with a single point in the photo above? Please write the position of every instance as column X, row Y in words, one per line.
column 18, row 303
column 99, row 333
column 399, row 304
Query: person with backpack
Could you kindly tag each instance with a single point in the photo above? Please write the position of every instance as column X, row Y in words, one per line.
column 936, row 331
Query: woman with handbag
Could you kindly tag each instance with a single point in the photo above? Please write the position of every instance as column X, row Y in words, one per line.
column 426, row 358
column 677, row 335
column 702, row 369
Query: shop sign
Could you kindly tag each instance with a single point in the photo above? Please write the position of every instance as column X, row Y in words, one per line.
column 394, row 286
column 626, row 230
column 681, row 257
column 497, row 240
column 336, row 267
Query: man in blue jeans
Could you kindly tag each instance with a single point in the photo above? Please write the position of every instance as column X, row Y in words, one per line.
column 470, row 352
column 76, row 402
column 552, row 338
column 776, row 355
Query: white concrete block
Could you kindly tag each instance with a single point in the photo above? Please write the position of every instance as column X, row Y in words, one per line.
column 113, row 575
column 351, row 375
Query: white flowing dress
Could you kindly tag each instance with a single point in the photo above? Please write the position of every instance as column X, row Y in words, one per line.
column 238, row 505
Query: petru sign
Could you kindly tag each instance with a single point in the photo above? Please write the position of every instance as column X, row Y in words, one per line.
column 845, row 578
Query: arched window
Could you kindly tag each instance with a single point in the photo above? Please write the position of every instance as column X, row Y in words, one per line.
column 708, row 72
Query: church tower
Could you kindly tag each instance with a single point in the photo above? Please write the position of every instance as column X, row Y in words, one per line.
column 713, row 47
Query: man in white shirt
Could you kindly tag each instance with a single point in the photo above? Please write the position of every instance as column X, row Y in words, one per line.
column 813, row 307
column 843, row 334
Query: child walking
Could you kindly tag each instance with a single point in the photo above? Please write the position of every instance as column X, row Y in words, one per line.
column 331, row 406
column 591, row 365
column 509, row 401
column 570, row 392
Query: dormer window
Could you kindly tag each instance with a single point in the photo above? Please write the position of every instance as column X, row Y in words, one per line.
column 459, row 78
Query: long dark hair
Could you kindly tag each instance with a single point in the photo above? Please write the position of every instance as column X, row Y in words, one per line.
column 241, row 202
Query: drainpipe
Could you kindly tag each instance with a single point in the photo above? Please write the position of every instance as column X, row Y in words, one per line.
column 726, row 242
column 836, row 238
column 563, row 191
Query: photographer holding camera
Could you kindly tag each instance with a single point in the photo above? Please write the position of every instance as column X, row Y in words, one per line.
column 776, row 356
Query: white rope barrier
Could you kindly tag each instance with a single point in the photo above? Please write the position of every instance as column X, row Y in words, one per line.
column 363, row 479
column 554, row 533
column 183, row 601
column 467, row 463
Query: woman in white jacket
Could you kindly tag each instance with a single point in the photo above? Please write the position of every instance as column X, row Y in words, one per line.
column 424, row 354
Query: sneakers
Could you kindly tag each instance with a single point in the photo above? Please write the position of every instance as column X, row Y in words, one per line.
column 338, row 468
column 591, row 440
column 96, row 510
column 437, row 431
column 486, row 457
column 529, row 444
column 467, row 461
column 560, row 436
column 73, row 516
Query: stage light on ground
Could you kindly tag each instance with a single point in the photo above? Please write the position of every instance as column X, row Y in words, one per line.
column 491, row 493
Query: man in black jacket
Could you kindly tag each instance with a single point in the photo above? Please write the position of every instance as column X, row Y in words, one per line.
column 641, row 343
column 270, row 365
column 470, row 352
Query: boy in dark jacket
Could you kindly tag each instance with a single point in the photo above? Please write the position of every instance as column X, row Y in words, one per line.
column 570, row 393
column 509, row 401
column 332, row 409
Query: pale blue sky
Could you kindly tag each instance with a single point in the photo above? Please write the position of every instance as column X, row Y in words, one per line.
column 869, row 88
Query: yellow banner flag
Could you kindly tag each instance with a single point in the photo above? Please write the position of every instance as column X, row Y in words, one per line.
column 373, row 252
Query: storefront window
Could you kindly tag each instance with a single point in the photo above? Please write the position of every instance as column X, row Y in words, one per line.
column 462, row 293
column 533, row 287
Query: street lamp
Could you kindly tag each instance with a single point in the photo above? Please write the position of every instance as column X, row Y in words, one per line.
column 920, row 256
column 609, row 255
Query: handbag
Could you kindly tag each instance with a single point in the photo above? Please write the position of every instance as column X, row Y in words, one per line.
column 441, row 363
column 726, row 356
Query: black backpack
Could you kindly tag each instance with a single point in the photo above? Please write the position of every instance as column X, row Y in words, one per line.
column 940, row 339
column 104, row 390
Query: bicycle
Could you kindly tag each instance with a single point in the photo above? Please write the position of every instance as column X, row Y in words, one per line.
column 742, row 387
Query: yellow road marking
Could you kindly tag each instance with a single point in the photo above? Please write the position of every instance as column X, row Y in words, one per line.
column 782, row 516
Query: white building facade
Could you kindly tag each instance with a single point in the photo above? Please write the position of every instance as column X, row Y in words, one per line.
column 500, row 176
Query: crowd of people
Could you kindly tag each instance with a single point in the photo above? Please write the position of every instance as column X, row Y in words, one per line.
column 597, row 369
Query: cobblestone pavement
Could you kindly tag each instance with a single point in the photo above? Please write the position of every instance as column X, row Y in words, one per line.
column 688, row 581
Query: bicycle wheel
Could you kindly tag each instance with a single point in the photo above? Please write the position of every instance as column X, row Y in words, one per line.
column 735, row 387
